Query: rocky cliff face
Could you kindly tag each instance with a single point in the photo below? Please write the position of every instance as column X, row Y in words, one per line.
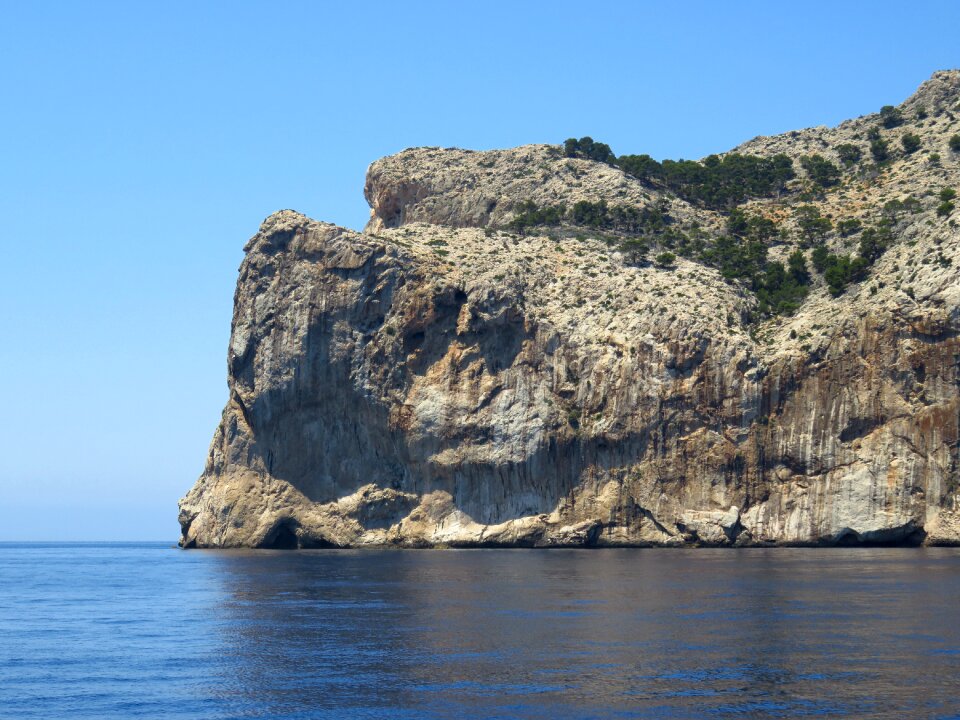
column 441, row 380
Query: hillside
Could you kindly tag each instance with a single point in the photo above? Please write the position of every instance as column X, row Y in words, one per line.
column 553, row 345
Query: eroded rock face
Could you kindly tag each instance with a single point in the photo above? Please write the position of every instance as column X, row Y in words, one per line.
column 435, row 380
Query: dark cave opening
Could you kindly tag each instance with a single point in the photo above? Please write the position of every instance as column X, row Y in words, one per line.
column 282, row 537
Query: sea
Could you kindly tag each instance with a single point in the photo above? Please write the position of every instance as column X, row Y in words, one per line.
column 145, row 630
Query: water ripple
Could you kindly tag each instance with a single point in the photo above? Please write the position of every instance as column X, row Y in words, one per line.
column 145, row 630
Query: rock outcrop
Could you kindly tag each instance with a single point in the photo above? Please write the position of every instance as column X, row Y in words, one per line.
column 439, row 379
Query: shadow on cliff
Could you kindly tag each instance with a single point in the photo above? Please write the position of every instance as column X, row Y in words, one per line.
column 338, row 424
column 329, row 431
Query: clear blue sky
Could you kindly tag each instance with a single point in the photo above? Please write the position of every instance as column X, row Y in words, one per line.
column 142, row 143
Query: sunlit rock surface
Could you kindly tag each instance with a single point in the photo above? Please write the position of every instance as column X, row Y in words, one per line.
column 440, row 380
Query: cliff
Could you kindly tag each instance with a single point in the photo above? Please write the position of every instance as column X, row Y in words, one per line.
column 450, row 376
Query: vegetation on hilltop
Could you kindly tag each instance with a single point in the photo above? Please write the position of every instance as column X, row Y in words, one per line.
column 585, row 147
column 719, row 183
column 652, row 219
column 849, row 154
column 820, row 170
column 724, row 184
column 890, row 117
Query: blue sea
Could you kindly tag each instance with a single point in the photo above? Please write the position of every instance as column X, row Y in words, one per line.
column 150, row 631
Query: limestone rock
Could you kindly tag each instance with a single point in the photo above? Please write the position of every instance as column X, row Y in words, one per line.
column 438, row 380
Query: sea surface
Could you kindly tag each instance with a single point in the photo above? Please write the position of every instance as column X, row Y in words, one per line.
column 149, row 631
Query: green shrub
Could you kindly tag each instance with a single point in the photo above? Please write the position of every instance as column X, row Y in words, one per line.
column 665, row 259
column 651, row 219
column 945, row 208
column 812, row 224
column 849, row 227
column 911, row 143
column 873, row 243
column 741, row 256
column 589, row 213
column 880, row 149
column 641, row 166
column 530, row 215
column 820, row 170
column 750, row 227
column 890, row 117
column 893, row 209
column 819, row 257
column 849, row 154
column 587, row 148
column 947, row 194
column 635, row 249
column 797, row 265
column 719, row 183
column 954, row 143
column 841, row 270
column 780, row 290
column 734, row 258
